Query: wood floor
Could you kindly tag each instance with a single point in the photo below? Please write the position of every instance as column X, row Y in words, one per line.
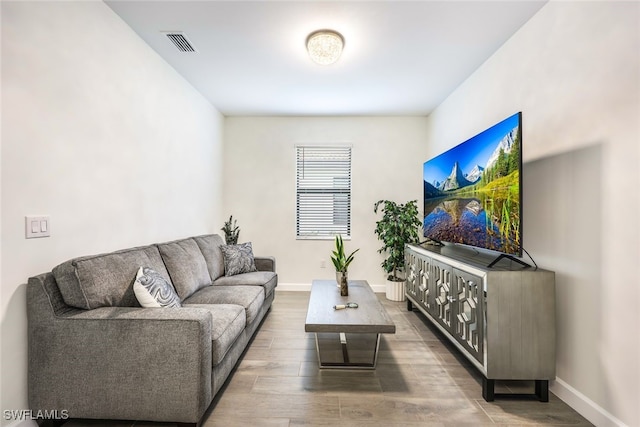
column 420, row 380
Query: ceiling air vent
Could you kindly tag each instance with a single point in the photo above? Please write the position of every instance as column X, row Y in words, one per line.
column 180, row 41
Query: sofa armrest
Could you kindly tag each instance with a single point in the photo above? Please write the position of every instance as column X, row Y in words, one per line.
column 265, row 263
column 114, row 362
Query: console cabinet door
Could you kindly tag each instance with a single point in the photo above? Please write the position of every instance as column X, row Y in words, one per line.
column 425, row 285
column 443, row 297
column 419, row 287
column 412, row 266
column 468, row 323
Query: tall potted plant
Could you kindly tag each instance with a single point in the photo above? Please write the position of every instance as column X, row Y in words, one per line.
column 399, row 225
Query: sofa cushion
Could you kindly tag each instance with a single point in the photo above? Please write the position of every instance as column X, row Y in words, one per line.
column 210, row 247
column 238, row 259
column 152, row 290
column 186, row 266
column 251, row 298
column 106, row 280
column 227, row 323
column 267, row 279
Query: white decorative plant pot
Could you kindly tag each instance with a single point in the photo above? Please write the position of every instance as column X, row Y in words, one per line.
column 395, row 290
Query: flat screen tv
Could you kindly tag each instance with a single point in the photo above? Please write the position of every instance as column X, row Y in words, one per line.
column 472, row 192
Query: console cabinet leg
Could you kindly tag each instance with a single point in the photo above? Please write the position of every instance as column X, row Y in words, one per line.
column 488, row 389
column 409, row 305
column 542, row 390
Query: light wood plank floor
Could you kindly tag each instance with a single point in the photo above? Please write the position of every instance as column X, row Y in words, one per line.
column 420, row 380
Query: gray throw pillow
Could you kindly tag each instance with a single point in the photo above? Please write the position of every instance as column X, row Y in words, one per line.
column 238, row 259
column 152, row 290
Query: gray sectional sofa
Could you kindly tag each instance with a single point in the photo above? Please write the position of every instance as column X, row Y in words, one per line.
column 95, row 353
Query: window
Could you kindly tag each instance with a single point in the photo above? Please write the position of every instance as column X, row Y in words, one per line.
column 323, row 191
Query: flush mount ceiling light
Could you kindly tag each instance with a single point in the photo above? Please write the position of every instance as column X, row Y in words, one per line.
column 325, row 46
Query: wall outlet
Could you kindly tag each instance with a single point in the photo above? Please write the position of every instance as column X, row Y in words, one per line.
column 323, row 264
column 37, row 226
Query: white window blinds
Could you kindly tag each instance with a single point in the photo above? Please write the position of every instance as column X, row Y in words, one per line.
column 323, row 191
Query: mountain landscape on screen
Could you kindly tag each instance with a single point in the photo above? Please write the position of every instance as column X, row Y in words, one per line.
column 472, row 192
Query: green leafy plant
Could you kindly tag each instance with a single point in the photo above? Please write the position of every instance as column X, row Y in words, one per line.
column 340, row 260
column 398, row 226
column 231, row 231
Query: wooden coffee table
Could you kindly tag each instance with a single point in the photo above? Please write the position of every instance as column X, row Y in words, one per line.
column 347, row 338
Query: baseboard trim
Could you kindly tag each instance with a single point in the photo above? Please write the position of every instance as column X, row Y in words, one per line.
column 306, row 287
column 586, row 407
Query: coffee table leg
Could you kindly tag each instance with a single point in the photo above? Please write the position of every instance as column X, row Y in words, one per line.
column 375, row 353
column 318, row 351
column 346, row 362
column 343, row 342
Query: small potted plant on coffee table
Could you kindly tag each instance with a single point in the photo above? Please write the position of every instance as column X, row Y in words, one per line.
column 341, row 263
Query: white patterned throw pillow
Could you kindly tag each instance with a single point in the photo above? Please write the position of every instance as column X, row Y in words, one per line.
column 238, row 259
column 152, row 290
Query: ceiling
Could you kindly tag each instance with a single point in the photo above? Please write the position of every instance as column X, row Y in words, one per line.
column 400, row 57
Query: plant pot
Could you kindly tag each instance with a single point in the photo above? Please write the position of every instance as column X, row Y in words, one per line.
column 341, row 278
column 395, row 290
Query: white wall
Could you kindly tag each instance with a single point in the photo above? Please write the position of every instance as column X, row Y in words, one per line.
column 102, row 135
column 573, row 70
column 260, row 183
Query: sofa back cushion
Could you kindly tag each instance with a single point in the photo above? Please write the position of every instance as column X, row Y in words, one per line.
column 186, row 266
column 210, row 248
column 106, row 280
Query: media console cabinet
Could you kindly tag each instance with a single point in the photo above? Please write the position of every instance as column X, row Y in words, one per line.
column 501, row 318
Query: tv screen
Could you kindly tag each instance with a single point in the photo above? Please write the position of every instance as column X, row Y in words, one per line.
column 472, row 191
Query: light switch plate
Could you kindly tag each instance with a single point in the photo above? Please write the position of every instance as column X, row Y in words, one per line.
column 37, row 226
